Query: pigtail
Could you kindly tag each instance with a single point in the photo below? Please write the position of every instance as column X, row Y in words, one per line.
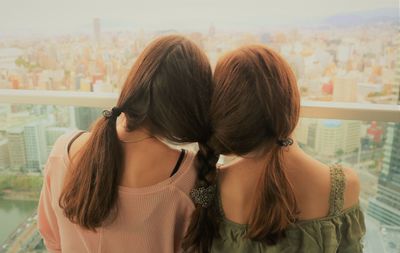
column 91, row 189
column 276, row 202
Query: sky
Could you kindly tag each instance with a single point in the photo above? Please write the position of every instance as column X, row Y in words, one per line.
column 56, row 16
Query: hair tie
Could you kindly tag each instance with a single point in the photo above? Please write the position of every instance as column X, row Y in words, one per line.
column 203, row 196
column 285, row 142
column 114, row 113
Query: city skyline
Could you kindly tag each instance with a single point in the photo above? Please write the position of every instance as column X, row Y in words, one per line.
column 341, row 51
column 343, row 64
column 54, row 17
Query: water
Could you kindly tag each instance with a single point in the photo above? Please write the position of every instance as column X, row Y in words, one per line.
column 12, row 214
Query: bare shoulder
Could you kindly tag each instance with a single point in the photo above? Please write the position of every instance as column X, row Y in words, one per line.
column 352, row 189
column 77, row 144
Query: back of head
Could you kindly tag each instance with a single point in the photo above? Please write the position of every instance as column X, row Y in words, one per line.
column 255, row 109
column 168, row 92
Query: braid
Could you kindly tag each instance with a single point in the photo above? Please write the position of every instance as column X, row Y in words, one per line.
column 206, row 165
column 204, row 224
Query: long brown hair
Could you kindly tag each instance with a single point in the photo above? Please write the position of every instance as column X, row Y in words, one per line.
column 255, row 105
column 168, row 90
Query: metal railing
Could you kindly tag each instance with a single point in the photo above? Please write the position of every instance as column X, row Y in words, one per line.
column 309, row 109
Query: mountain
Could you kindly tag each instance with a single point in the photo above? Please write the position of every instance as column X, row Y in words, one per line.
column 362, row 18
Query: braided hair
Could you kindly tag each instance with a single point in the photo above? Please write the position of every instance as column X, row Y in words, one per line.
column 204, row 224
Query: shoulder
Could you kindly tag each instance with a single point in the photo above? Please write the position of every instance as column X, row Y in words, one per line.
column 187, row 174
column 69, row 142
column 58, row 157
column 352, row 189
column 76, row 144
column 60, row 149
column 60, row 145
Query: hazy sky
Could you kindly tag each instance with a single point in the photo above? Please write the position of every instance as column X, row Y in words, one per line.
column 19, row 16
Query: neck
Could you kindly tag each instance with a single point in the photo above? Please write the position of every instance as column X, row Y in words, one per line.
column 135, row 136
column 256, row 158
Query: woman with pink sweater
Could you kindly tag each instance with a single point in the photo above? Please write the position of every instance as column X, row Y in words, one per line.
column 120, row 188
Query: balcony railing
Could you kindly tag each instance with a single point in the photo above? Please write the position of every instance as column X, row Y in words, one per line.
column 309, row 109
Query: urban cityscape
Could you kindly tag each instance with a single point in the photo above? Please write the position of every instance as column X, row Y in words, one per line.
column 334, row 62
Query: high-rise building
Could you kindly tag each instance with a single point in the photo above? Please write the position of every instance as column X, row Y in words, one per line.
column 16, row 148
column 84, row 117
column 396, row 87
column 306, row 133
column 4, row 155
column 385, row 207
column 17, row 118
column 352, row 136
column 329, row 137
column 4, row 110
column 211, row 31
column 97, row 29
column 52, row 134
column 35, row 146
column 345, row 89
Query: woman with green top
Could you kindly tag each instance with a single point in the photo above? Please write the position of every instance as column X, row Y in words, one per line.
column 271, row 197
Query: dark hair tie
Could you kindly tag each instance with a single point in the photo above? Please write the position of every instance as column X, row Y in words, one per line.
column 114, row 113
column 285, row 142
column 204, row 196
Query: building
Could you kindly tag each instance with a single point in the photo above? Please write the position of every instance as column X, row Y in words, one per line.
column 8, row 56
column 100, row 86
column 97, row 30
column 352, row 136
column 211, row 31
column 4, row 155
column 344, row 52
column 4, row 111
column 336, row 136
column 16, row 148
column 396, row 86
column 329, row 138
column 85, row 84
column 35, row 146
column 375, row 132
column 52, row 134
column 345, row 89
column 84, row 117
column 385, row 207
column 306, row 132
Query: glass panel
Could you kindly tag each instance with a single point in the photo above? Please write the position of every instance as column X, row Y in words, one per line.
column 28, row 132
column 27, row 135
column 372, row 149
column 339, row 52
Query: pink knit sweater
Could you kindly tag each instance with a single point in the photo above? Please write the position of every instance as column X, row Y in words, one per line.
column 150, row 219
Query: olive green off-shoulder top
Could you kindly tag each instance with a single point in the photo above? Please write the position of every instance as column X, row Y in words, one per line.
column 341, row 231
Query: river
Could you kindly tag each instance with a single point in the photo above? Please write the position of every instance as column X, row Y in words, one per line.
column 13, row 213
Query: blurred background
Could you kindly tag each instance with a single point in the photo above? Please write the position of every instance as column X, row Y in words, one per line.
column 63, row 62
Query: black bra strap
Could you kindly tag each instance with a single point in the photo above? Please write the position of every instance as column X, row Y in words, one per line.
column 178, row 163
column 76, row 135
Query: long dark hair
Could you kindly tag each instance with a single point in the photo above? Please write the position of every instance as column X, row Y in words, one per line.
column 203, row 227
column 168, row 91
column 255, row 107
